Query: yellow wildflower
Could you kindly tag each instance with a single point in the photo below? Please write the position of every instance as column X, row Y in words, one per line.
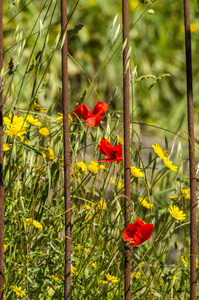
column 16, row 125
column 6, row 147
column 168, row 164
column 19, row 168
column 120, row 186
column 49, row 154
column 73, row 270
column 88, row 218
column 158, row 150
column 18, row 291
column 87, row 207
column 94, row 265
column 56, row 278
column 175, row 197
column 44, row 131
column 187, row 193
column 176, row 213
column 81, row 166
column 61, row 118
column 37, row 224
column 41, row 252
column 93, row 2
column 7, row 121
column 111, row 278
column 4, row 247
column 15, row 130
column 145, row 203
column 193, row 28
column 28, row 221
column 133, row 4
column 37, row 107
column 136, row 172
column 196, row 263
column 136, row 275
column 101, row 205
column 94, row 163
column 93, row 169
column 18, row 121
column 33, row 121
column 183, row 260
column 101, row 167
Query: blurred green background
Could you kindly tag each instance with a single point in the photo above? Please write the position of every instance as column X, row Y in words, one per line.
column 157, row 47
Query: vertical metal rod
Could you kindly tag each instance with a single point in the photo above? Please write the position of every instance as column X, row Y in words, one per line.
column 66, row 151
column 193, row 244
column 1, row 161
column 127, row 156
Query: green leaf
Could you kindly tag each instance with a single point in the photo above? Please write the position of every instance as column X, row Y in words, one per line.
column 74, row 31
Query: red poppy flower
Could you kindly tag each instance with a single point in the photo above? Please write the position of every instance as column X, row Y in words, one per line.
column 114, row 153
column 137, row 233
column 92, row 119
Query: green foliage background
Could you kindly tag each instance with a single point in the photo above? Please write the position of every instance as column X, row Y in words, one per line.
column 32, row 37
column 157, row 42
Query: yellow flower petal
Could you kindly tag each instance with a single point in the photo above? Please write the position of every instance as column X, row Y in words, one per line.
column 49, row 154
column 44, row 131
column 136, row 172
column 177, row 213
column 28, row 221
column 111, row 278
column 101, row 205
column 37, row 224
column 6, row 147
column 81, row 166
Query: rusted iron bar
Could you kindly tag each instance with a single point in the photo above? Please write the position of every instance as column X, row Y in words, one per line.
column 193, row 244
column 127, row 156
column 1, row 161
column 66, row 151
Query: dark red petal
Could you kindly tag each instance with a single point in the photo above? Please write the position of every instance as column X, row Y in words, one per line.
column 129, row 232
column 144, row 232
column 100, row 108
column 138, row 232
column 107, row 159
column 82, row 110
column 118, row 153
column 118, row 150
column 105, row 148
column 118, row 159
column 139, row 221
column 93, row 121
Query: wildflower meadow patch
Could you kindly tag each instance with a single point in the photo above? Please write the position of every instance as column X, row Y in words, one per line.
column 158, row 230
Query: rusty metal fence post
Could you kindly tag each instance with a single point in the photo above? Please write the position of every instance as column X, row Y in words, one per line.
column 1, row 161
column 127, row 156
column 66, row 142
column 193, row 245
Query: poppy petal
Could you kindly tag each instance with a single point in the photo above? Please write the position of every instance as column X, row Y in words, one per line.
column 100, row 108
column 105, row 148
column 138, row 232
column 145, row 232
column 82, row 110
column 93, row 121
